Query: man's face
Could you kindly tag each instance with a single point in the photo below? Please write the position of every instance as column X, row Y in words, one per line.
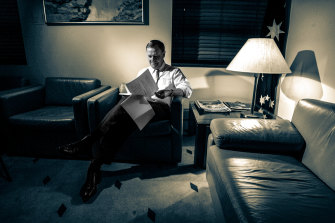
column 155, row 57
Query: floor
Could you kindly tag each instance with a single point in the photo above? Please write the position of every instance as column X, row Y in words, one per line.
column 47, row 190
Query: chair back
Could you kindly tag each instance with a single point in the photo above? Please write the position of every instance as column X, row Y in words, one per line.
column 315, row 121
column 61, row 90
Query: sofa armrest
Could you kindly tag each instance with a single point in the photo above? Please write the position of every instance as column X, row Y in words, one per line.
column 99, row 105
column 80, row 110
column 21, row 100
column 258, row 135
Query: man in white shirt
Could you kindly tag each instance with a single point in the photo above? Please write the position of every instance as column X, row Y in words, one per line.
column 170, row 80
column 117, row 125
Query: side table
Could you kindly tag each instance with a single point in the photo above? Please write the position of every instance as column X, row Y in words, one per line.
column 200, row 124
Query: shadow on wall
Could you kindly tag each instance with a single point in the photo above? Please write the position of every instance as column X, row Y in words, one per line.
column 220, row 84
column 304, row 81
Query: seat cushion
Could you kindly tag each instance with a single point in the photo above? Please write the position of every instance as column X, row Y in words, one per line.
column 49, row 118
column 255, row 187
column 257, row 135
column 158, row 128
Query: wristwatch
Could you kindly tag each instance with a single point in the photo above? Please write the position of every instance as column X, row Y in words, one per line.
column 171, row 92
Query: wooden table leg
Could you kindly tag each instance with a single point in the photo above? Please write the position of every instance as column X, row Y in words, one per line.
column 200, row 146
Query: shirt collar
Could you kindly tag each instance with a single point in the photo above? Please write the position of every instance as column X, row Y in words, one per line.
column 160, row 69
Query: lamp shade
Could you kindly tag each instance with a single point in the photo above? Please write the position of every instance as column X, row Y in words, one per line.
column 259, row 55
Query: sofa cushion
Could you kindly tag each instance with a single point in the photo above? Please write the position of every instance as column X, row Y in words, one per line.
column 48, row 118
column 61, row 91
column 315, row 120
column 257, row 135
column 255, row 187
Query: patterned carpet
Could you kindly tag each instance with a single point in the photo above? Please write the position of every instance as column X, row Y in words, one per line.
column 47, row 190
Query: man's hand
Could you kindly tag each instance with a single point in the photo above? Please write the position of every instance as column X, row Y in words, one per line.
column 163, row 93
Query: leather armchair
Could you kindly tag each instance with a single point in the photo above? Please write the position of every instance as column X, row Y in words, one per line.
column 42, row 117
column 159, row 141
column 8, row 84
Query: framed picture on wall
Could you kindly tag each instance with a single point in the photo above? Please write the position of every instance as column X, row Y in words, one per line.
column 94, row 12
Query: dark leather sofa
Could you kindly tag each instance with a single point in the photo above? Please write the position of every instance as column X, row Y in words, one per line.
column 274, row 170
column 158, row 142
column 39, row 118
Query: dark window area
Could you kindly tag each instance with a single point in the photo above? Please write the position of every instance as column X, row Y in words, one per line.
column 11, row 41
column 209, row 33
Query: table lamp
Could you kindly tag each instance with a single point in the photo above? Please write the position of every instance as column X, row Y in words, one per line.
column 259, row 56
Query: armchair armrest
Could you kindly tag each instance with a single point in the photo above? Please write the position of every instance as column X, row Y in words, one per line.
column 21, row 100
column 177, row 127
column 177, row 113
column 80, row 110
column 257, row 135
column 100, row 104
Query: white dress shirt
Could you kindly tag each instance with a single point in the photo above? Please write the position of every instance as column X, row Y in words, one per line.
column 170, row 78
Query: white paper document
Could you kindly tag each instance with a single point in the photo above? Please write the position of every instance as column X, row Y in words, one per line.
column 136, row 105
column 139, row 110
column 143, row 85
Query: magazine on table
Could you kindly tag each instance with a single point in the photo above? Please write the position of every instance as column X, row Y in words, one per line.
column 238, row 106
column 211, row 106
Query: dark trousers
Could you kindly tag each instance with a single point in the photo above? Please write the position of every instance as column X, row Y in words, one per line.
column 117, row 126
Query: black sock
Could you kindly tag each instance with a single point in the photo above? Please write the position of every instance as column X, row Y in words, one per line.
column 91, row 138
column 96, row 164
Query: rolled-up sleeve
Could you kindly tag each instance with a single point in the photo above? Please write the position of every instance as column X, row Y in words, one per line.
column 181, row 82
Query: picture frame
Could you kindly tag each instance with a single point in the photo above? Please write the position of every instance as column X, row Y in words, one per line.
column 92, row 12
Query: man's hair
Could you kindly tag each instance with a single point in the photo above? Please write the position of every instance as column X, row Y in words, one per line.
column 156, row 43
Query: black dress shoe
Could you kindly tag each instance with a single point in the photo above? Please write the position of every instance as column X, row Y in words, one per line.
column 76, row 147
column 89, row 188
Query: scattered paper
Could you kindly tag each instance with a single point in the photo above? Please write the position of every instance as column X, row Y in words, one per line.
column 46, row 180
column 118, row 184
column 194, row 187
column 151, row 215
column 61, row 210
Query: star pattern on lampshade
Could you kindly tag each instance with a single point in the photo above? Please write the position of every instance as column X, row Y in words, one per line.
column 275, row 30
column 262, row 100
column 272, row 104
column 266, row 90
